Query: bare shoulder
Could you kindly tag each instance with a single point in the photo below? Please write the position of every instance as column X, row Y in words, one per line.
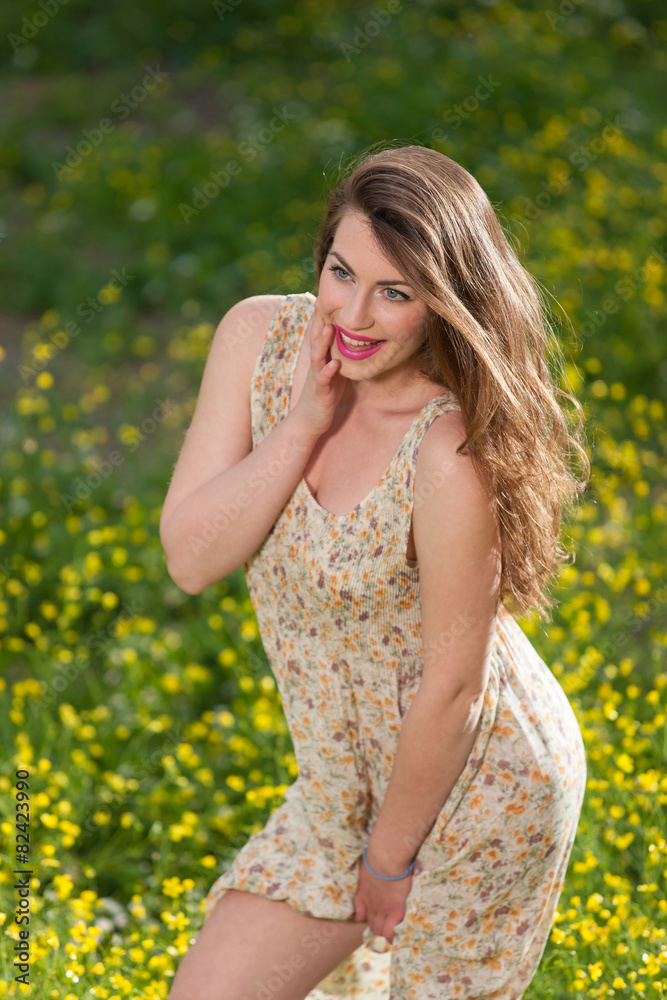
column 454, row 516
column 439, row 463
column 220, row 433
column 244, row 326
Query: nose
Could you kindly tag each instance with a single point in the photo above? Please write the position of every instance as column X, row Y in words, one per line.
column 354, row 316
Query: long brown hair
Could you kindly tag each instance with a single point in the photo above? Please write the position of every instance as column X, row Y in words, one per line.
column 489, row 341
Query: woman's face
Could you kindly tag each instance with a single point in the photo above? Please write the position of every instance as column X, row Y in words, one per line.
column 350, row 297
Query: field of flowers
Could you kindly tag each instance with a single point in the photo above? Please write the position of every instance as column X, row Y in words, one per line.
column 147, row 720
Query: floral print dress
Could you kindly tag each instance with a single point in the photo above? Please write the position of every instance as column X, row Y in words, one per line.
column 338, row 609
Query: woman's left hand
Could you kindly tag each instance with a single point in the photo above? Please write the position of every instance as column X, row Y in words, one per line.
column 381, row 904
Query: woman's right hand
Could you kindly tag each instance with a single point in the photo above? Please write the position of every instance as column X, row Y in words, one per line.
column 324, row 386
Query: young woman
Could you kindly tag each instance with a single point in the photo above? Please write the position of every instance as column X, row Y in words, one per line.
column 388, row 461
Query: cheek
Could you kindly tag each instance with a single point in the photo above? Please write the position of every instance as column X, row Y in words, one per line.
column 418, row 332
column 413, row 342
column 410, row 335
column 326, row 295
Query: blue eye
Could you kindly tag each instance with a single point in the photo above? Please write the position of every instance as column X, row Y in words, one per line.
column 336, row 267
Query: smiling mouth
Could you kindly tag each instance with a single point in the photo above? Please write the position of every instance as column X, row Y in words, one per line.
column 356, row 342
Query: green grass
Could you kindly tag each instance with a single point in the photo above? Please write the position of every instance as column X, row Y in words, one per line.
column 148, row 719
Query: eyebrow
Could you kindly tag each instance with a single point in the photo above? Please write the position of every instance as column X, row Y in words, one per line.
column 348, row 268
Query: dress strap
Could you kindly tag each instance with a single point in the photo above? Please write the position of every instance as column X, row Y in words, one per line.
column 272, row 376
column 434, row 408
column 401, row 498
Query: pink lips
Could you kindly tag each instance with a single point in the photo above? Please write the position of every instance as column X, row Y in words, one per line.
column 357, row 355
column 354, row 336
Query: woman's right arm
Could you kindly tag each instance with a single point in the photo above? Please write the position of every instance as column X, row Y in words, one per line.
column 224, row 496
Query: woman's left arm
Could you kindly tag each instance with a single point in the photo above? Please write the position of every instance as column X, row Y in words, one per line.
column 458, row 551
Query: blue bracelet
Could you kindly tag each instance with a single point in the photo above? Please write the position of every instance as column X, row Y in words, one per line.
column 389, row 878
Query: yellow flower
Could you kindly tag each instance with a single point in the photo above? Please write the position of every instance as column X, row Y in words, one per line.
column 652, row 965
column 171, row 683
column 172, row 887
column 596, row 970
column 176, row 921
column 64, row 885
column 177, row 831
column 136, row 908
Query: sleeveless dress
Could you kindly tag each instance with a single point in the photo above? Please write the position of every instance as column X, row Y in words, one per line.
column 338, row 609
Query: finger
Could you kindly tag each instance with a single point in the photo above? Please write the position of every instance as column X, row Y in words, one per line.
column 359, row 906
column 325, row 334
column 324, row 376
column 316, row 323
column 321, row 348
column 321, row 339
column 329, row 371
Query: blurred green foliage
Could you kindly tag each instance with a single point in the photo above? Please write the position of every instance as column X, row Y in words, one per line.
column 149, row 719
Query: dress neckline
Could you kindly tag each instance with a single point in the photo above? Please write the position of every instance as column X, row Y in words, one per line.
column 303, row 485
